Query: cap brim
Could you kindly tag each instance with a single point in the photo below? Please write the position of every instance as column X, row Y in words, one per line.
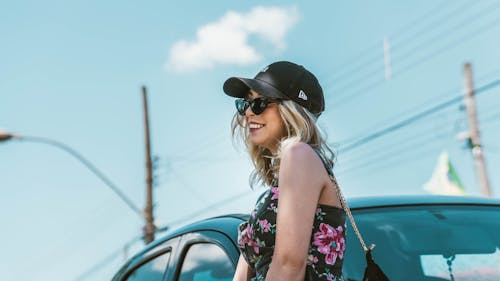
column 238, row 87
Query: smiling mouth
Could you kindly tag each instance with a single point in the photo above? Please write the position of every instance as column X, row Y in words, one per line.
column 255, row 126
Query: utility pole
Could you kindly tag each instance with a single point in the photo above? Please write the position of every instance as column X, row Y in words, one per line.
column 473, row 135
column 149, row 228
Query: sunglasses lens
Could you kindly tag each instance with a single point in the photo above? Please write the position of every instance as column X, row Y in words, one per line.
column 241, row 106
column 258, row 105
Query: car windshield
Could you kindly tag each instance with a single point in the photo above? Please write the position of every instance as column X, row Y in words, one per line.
column 428, row 243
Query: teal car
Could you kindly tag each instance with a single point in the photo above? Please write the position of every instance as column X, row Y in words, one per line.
column 421, row 238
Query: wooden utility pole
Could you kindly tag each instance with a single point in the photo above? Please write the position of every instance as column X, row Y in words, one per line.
column 149, row 228
column 474, row 140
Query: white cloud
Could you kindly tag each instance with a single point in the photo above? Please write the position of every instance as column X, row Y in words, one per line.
column 226, row 40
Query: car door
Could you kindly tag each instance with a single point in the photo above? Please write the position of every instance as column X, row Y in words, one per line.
column 204, row 255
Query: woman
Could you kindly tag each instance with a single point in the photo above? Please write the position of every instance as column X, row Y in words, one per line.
column 302, row 237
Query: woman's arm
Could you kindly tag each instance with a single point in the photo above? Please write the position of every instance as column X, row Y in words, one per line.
column 302, row 177
column 241, row 273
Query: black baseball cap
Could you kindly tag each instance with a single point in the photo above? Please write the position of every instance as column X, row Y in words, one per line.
column 281, row 80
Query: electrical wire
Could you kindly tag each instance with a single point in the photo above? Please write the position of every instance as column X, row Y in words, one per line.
column 398, row 159
column 184, row 183
column 388, row 148
column 402, row 151
column 413, row 110
column 112, row 256
column 415, row 118
column 214, row 206
column 103, row 262
column 360, row 88
column 394, row 153
column 420, row 107
column 353, row 62
column 428, row 29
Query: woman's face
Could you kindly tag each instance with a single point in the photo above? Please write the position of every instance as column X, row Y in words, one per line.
column 267, row 128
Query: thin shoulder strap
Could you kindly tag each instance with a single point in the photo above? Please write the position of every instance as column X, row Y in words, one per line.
column 343, row 202
column 260, row 197
column 323, row 159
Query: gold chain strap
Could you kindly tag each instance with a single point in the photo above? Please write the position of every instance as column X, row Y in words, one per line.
column 349, row 214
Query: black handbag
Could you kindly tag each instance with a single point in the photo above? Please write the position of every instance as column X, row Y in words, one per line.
column 372, row 272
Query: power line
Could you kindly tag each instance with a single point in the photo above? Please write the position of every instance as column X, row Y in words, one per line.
column 394, row 153
column 386, row 148
column 408, row 66
column 194, row 192
column 468, row 36
column 429, row 102
column 109, row 258
column 207, row 142
column 425, row 104
column 348, row 64
column 432, row 27
column 106, row 260
column 218, row 204
column 398, row 159
column 415, row 118
column 389, row 150
column 363, row 87
column 213, row 206
column 66, row 255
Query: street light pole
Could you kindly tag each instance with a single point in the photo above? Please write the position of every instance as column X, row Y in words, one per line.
column 6, row 136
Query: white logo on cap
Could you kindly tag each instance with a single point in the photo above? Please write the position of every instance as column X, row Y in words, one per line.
column 302, row 95
column 265, row 69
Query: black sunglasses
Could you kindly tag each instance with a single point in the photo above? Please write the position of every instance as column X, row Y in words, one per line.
column 257, row 105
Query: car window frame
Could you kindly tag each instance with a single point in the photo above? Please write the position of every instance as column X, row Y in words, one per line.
column 197, row 237
column 168, row 246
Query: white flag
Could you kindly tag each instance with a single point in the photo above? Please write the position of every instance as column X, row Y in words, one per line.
column 444, row 180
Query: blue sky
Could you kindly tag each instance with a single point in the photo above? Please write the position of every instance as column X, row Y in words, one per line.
column 72, row 72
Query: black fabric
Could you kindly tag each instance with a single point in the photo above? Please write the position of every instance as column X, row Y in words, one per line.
column 282, row 80
column 373, row 272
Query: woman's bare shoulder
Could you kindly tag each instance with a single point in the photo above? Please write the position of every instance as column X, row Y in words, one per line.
column 300, row 150
column 300, row 158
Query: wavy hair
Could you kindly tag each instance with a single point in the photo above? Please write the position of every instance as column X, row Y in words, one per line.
column 300, row 126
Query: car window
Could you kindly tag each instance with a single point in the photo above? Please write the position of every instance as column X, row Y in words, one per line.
column 206, row 262
column 428, row 243
column 152, row 270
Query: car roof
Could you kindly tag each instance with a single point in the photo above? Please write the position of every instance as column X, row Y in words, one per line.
column 225, row 224
column 228, row 223
column 418, row 200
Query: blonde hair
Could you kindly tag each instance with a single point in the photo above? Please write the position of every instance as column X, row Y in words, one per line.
column 300, row 126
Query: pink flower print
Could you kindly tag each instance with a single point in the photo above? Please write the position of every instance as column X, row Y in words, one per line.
column 247, row 237
column 330, row 242
column 275, row 192
column 265, row 225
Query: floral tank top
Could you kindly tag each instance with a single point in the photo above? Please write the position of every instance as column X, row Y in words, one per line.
column 256, row 239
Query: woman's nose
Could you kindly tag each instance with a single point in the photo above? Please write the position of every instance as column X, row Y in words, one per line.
column 249, row 112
